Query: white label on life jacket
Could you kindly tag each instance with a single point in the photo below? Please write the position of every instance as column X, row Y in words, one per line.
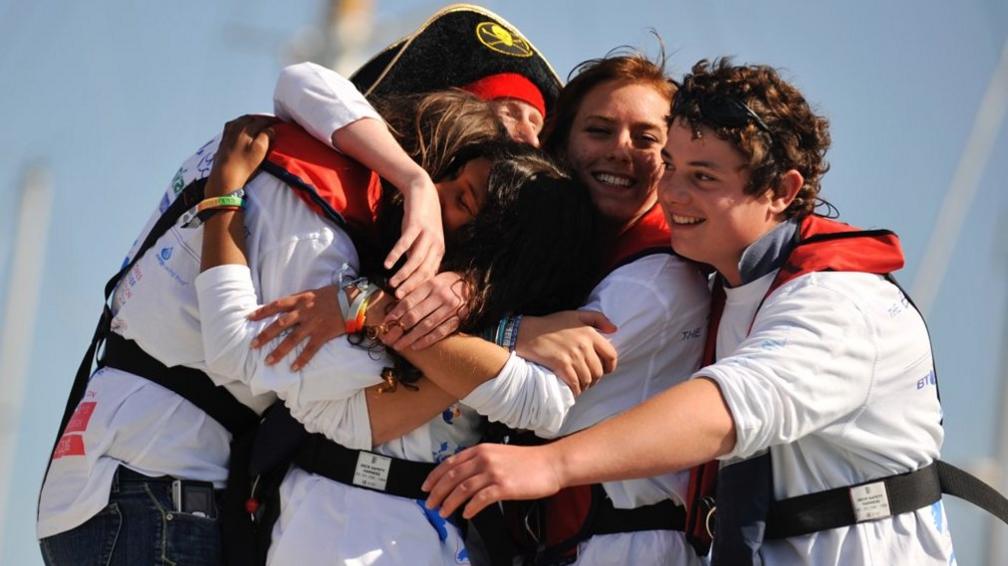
column 870, row 501
column 372, row 470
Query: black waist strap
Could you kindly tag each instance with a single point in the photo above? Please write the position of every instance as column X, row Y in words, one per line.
column 845, row 506
column 191, row 384
column 661, row 516
column 555, row 538
column 361, row 468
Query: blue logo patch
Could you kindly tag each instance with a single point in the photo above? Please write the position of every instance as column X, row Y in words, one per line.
column 772, row 344
column 929, row 379
column 166, row 253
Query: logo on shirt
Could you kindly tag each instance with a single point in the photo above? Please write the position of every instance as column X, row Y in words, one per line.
column 163, row 256
column 435, row 520
column 691, row 334
column 205, row 164
column 177, row 182
column 929, row 379
column 898, row 307
column 497, row 38
column 772, row 344
column 444, row 450
column 449, row 414
column 72, row 441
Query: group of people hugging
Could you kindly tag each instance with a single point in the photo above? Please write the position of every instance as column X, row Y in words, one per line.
column 452, row 311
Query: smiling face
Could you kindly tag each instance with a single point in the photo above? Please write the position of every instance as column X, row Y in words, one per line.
column 702, row 193
column 463, row 196
column 522, row 120
column 614, row 148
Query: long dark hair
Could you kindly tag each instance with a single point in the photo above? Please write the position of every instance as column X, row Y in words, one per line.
column 530, row 250
column 532, row 247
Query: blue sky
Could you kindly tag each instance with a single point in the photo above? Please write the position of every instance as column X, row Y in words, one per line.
column 112, row 97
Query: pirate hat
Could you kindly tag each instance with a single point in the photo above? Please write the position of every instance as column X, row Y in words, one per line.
column 458, row 46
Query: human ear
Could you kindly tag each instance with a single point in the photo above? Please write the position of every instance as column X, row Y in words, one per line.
column 784, row 192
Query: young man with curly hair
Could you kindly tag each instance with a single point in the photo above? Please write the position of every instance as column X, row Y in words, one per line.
column 818, row 397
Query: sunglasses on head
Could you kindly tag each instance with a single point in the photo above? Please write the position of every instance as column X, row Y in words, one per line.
column 718, row 110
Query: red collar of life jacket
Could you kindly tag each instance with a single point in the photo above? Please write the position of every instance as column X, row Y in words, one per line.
column 821, row 245
column 332, row 184
column 647, row 235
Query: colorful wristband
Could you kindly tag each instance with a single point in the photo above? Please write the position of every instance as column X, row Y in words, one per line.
column 511, row 332
column 355, row 314
column 218, row 202
column 235, row 200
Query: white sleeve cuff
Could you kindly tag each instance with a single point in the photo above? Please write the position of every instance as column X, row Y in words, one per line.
column 738, row 399
column 345, row 422
column 523, row 396
column 226, row 297
column 232, row 275
column 320, row 100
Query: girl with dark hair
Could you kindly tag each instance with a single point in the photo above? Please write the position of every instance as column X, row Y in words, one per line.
column 507, row 194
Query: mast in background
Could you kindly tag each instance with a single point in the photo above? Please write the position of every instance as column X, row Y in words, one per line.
column 20, row 309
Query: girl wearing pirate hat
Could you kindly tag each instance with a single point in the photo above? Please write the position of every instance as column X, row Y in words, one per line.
column 468, row 47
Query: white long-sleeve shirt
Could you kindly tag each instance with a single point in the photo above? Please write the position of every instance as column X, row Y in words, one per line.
column 659, row 304
column 125, row 419
column 836, row 380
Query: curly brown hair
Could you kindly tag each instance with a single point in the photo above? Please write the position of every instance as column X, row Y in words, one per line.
column 622, row 64
column 796, row 137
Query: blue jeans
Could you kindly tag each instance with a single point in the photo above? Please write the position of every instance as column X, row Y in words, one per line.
column 138, row 527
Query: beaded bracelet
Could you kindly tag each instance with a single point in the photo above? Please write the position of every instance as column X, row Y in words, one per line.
column 510, row 340
column 505, row 332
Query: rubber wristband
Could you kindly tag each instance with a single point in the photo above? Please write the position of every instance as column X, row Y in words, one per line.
column 195, row 219
column 218, row 202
